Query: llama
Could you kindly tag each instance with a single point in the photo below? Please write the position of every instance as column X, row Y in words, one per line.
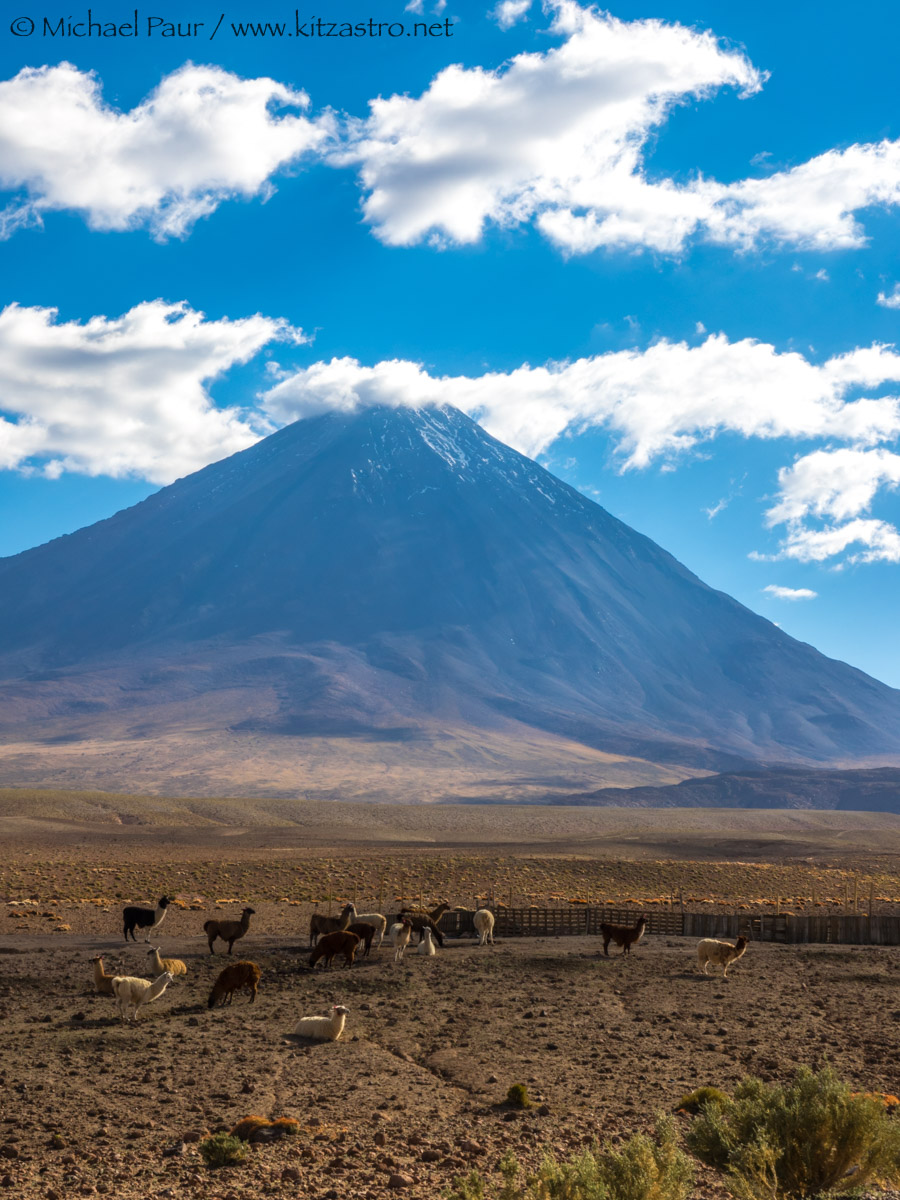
column 338, row 942
column 483, row 920
column 134, row 917
column 400, row 935
column 320, row 924
column 421, row 920
column 364, row 932
column 324, row 1029
column 625, row 936
column 174, row 965
column 236, row 978
column 723, row 954
column 465, row 921
column 426, row 946
column 102, row 981
column 376, row 919
column 134, row 993
column 228, row 931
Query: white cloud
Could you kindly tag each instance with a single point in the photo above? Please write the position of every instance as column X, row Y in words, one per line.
column 547, row 136
column 891, row 300
column 559, row 138
column 556, row 138
column 811, row 206
column 655, row 403
column 833, row 483
column 879, row 540
column 786, row 593
column 203, row 136
column 124, row 396
column 836, row 485
column 508, row 12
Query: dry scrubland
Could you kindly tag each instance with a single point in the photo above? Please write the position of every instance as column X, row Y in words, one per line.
column 417, row 1087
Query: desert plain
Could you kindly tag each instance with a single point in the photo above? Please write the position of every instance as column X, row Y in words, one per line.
column 414, row 1093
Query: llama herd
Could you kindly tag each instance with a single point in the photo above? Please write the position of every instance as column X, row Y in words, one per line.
column 330, row 938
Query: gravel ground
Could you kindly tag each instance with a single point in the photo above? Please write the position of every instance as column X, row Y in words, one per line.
column 413, row 1094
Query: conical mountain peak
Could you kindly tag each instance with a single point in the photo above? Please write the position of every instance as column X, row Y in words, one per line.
column 398, row 569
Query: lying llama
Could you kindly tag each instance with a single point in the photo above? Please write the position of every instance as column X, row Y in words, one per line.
column 319, row 923
column 134, row 917
column 365, row 932
column 376, row 919
column 723, row 954
column 173, row 965
column 625, row 936
column 483, row 920
column 339, row 942
column 324, row 1029
column 228, row 931
column 102, row 981
column 134, row 993
column 236, row 978
column 426, row 946
column 400, row 935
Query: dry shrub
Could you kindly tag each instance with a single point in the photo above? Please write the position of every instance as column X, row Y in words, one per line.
column 642, row 1169
column 255, row 1128
column 811, row 1137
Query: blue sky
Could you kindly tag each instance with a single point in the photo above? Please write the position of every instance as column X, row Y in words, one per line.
column 654, row 247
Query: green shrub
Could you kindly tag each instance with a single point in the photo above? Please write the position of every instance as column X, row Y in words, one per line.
column 643, row 1169
column 694, row 1101
column 223, row 1150
column 518, row 1096
column 472, row 1186
column 815, row 1136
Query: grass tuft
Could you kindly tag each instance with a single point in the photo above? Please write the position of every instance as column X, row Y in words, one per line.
column 518, row 1096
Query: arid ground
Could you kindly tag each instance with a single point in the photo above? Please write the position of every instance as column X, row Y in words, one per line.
column 413, row 1095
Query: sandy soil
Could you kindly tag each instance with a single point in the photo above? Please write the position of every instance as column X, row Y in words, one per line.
column 416, row 1087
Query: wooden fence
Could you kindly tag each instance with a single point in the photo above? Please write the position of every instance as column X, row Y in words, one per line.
column 851, row 929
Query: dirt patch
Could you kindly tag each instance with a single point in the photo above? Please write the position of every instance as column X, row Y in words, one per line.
column 417, row 1085
column 430, row 1050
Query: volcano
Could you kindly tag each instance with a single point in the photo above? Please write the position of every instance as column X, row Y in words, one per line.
column 391, row 604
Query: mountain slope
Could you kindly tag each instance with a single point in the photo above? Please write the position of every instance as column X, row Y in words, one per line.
column 875, row 790
column 394, row 575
